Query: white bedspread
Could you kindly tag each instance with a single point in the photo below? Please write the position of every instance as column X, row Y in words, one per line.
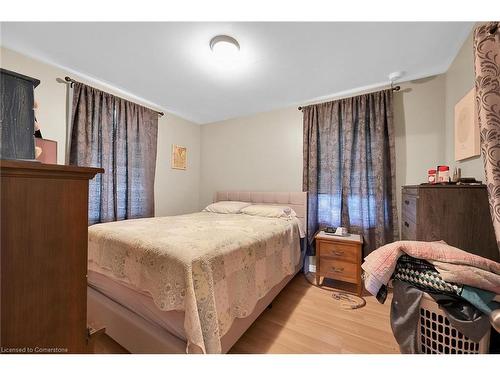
column 214, row 267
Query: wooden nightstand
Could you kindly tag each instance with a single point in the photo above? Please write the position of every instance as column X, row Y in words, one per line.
column 339, row 258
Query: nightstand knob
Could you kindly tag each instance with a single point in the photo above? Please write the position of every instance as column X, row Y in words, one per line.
column 338, row 253
column 338, row 270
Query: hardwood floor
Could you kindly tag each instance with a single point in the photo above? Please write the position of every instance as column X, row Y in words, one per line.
column 305, row 319
column 106, row 345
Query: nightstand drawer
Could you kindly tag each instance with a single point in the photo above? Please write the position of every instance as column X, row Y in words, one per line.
column 339, row 270
column 334, row 250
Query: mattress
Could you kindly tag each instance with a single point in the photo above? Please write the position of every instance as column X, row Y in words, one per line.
column 139, row 302
column 139, row 326
column 193, row 275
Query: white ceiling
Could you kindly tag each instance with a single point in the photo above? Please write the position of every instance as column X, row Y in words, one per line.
column 282, row 64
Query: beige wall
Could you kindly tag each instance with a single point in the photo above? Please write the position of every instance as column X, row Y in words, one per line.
column 459, row 81
column 175, row 191
column 264, row 151
column 50, row 95
column 419, row 130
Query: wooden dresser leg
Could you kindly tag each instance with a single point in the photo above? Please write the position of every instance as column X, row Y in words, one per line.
column 92, row 335
column 360, row 288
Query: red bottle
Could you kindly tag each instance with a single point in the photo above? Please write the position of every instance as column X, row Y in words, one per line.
column 443, row 174
column 431, row 176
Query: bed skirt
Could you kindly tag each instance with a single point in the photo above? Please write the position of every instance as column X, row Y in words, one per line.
column 139, row 335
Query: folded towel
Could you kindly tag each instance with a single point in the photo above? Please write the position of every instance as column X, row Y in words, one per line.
column 475, row 277
column 381, row 263
column 480, row 299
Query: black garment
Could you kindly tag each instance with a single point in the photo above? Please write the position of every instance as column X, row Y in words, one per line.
column 405, row 314
column 382, row 294
column 494, row 342
column 464, row 317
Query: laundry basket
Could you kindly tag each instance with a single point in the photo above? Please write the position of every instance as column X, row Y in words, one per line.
column 437, row 336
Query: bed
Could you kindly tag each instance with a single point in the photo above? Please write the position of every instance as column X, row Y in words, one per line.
column 192, row 283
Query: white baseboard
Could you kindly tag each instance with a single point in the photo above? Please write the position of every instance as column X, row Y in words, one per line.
column 312, row 264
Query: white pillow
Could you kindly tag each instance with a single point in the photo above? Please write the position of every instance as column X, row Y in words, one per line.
column 226, row 207
column 267, row 210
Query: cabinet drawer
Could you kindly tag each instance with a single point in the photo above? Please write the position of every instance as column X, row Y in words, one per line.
column 341, row 251
column 413, row 190
column 409, row 206
column 408, row 229
column 339, row 270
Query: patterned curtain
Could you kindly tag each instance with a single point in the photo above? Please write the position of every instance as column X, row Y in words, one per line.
column 487, row 68
column 119, row 136
column 349, row 167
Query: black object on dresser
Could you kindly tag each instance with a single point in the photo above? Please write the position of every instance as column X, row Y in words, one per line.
column 17, row 118
column 456, row 214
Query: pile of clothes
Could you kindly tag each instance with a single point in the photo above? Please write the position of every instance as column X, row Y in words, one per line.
column 466, row 287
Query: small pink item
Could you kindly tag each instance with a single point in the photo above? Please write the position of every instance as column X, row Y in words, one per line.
column 48, row 153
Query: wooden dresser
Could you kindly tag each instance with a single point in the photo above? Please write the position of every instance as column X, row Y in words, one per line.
column 457, row 214
column 339, row 258
column 43, row 257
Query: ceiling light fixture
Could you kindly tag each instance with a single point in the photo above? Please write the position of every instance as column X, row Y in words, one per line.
column 224, row 47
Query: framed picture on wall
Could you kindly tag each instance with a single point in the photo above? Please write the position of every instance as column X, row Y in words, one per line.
column 179, row 157
column 466, row 128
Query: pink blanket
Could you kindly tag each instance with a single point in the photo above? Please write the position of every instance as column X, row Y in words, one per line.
column 381, row 263
column 465, row 275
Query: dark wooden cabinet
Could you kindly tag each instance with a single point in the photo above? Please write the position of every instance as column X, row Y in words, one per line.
column 43, row 257
column 17, row 118
column 457, row 214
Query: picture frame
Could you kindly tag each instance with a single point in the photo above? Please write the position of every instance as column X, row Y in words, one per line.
column 466, row 128
column 179, row 157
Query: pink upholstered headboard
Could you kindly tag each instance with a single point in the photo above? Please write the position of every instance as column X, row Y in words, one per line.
column 295, row 200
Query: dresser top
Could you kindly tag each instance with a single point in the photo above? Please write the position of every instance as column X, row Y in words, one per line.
column 444, row 186
column 350, row 238
column 37, row 169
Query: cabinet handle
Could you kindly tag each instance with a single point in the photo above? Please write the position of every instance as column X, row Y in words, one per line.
column 338, row 270
column 407, row 202
column 406, row 224
column 338, row 253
